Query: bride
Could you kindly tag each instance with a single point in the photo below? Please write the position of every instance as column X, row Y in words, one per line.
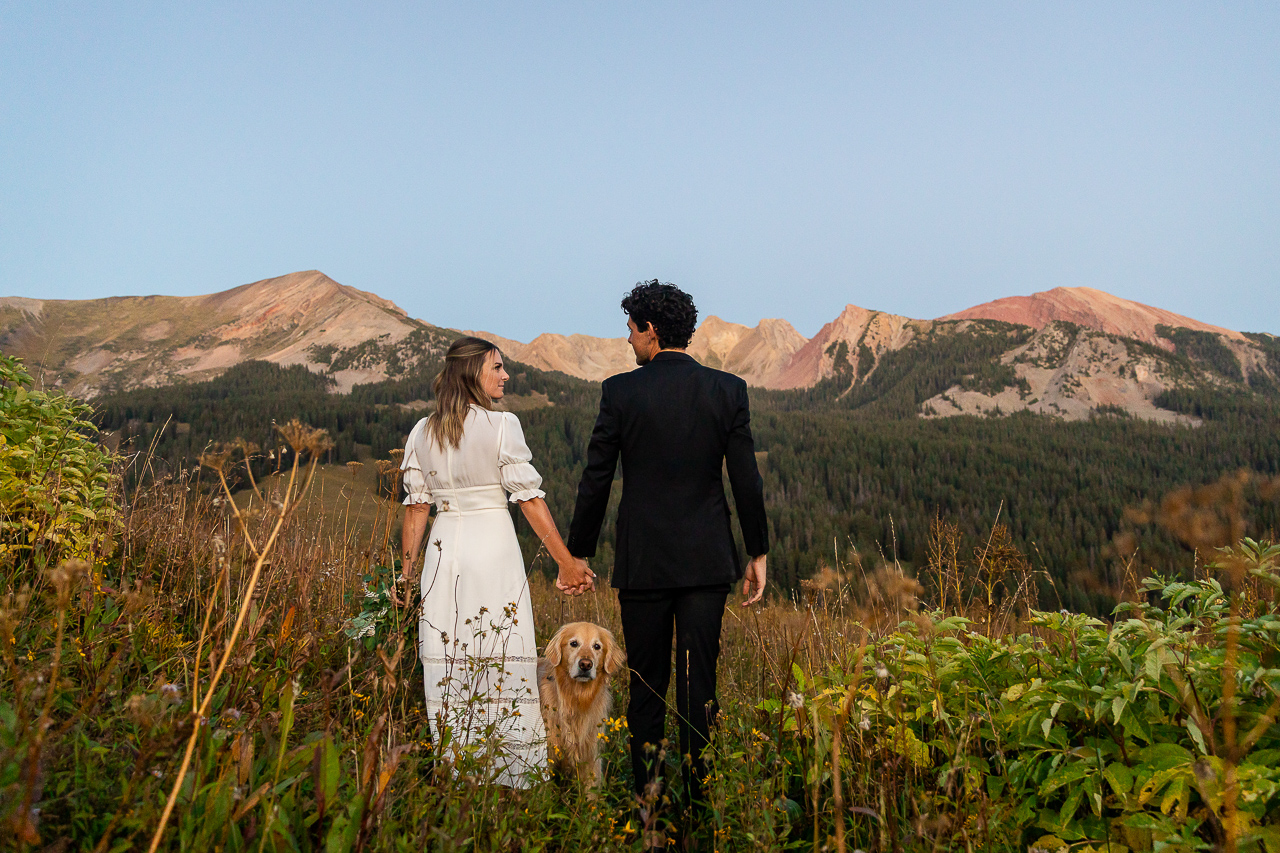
column 476, row 635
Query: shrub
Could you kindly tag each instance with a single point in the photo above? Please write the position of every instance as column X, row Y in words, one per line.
column 1157, row 731
column 55, row 479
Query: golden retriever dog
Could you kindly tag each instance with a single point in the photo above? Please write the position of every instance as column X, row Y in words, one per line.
column 573, row 689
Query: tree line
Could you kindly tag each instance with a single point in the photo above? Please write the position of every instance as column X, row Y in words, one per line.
column 848, row 468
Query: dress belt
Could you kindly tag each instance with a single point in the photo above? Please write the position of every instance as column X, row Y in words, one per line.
column 469, row 499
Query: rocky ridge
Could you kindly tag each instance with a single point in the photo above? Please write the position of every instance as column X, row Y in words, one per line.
column 1084, row 349
column 1092, row 309
column 1072, row 373
column 91, row 346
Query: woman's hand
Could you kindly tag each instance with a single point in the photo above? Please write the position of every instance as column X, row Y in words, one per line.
column 398, row 597
column 575, row 577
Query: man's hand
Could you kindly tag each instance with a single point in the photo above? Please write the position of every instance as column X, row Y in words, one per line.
column 753, row 581
column 575, row 577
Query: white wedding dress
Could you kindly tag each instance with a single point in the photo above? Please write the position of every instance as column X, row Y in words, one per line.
column 476, row 638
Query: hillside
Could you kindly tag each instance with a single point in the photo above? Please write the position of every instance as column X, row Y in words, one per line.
column 1082, row 350
column 88, row 347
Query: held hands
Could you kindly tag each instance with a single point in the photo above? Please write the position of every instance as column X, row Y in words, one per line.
column 753, row 581
column 575, row 577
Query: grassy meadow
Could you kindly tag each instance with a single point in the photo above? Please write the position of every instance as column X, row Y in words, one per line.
column 178, row 672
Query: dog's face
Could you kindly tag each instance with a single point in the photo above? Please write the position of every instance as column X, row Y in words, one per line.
column 583, row 649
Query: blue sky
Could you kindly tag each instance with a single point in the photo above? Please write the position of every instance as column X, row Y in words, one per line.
column 516, row 167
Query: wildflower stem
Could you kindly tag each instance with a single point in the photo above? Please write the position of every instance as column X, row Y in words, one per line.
column 245, row 603
column 244, row 528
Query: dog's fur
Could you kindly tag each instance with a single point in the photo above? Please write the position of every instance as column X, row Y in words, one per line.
column 573, row 689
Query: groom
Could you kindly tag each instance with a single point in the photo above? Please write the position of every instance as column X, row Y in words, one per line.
column 675, row 425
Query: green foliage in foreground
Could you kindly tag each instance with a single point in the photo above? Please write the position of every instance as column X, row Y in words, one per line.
column 55, row 498
column 1155, row 732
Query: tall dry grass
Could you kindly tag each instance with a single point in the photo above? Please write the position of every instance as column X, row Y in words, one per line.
column 199, row 690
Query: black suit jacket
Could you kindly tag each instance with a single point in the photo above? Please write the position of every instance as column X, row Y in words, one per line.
column 676, row 425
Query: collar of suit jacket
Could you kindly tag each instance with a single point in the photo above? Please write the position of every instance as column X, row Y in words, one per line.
column 671, row 354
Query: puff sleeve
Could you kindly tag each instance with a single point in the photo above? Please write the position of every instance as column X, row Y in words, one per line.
column 415, row 482
column 519, row 477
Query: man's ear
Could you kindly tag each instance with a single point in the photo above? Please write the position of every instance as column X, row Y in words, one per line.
column 553, row 649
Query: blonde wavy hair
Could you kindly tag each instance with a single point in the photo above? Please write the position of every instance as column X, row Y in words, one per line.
column 457, row 387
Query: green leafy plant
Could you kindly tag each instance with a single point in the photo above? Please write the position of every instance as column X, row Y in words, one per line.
column 382, row 615
column 1156, row 731
column 56, row 500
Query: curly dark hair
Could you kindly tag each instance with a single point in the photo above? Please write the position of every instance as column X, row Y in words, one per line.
column 667, row 307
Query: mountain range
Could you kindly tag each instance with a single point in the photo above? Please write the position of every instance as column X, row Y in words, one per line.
column 1078, row 349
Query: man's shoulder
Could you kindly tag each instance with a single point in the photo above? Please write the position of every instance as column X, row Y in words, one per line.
column 722, row 379
column 619, row 380
column 687, row 367
column 726, row 378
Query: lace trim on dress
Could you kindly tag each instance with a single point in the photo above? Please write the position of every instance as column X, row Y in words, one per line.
column 485, row 661
column 520, row 700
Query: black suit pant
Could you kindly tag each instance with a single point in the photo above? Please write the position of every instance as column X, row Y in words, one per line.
column 648, row 616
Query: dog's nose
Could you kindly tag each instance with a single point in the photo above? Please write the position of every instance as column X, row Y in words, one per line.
column 584, row 664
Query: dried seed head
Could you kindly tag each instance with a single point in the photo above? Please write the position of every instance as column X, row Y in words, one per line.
column 67, row 577
column 248, row 448
column 304, row 438
column 295, row 432
column 12, row 606
column 216, row 457
column 142, row 710
column 136, row 599
column 319, row 442
column 794, row 700
column 354, row 467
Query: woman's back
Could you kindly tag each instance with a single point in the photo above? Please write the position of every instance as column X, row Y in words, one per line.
column 492, row 452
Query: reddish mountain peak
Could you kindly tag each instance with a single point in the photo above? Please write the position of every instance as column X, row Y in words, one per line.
column 301, row 292
column 1088, row 307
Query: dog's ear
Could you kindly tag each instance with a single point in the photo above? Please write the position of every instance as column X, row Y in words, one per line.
column 553, row 649
column 615, row 659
